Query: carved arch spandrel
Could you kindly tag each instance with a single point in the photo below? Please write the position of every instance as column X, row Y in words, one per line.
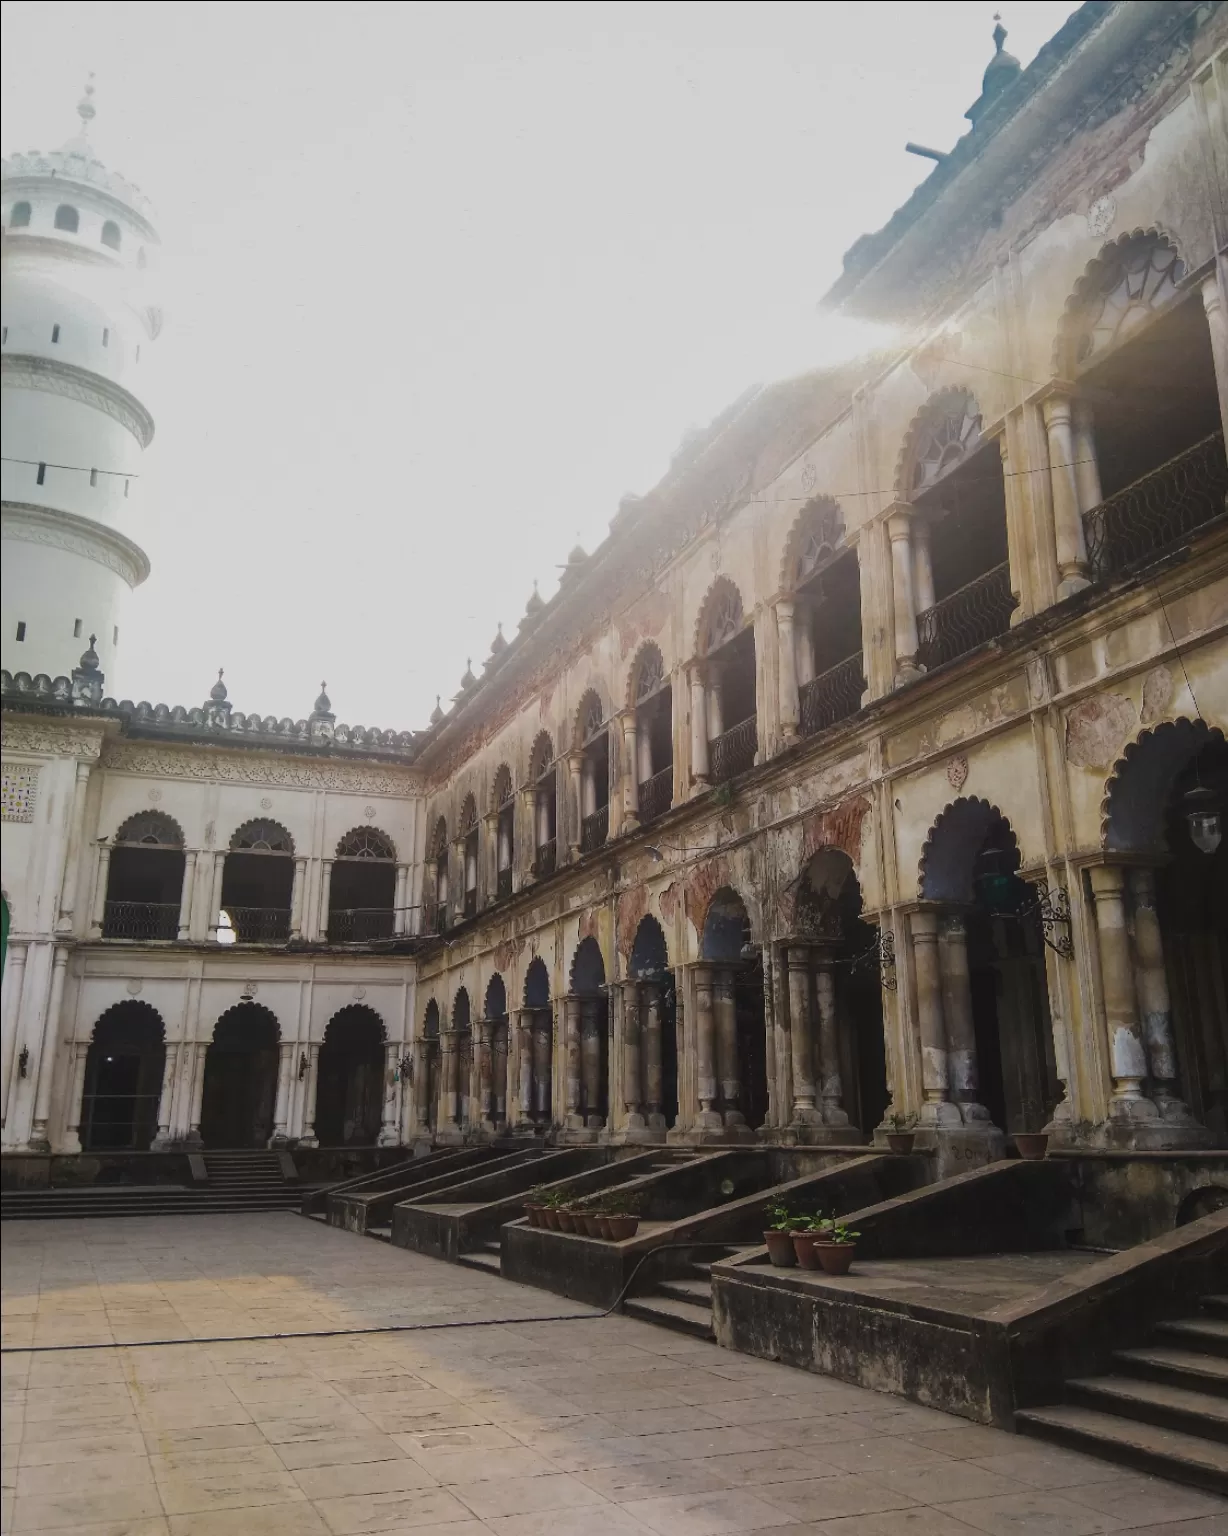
column 943, row 434
column 721, row 616
column 816, row 538
column 1131, row 278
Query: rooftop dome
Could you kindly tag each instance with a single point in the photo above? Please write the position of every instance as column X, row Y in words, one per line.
column 535, row 605
column 218, row 692
column 323, row 705
column 498, row 643
column 437, row 712
column 468, row 681
column 1002, row 70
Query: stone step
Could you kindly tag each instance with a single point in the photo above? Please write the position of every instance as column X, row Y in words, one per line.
column 1146, row 1447
column 478, row 1258
column 1153, row 1402
column 1208, row 1335
column 1217, row 1306
column 668, row 1312
column 1178, row 1367
column 696, row 1293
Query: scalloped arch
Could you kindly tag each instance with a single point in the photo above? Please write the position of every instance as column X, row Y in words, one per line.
column 1063, row 363
column 588, row 969
column 944, row 402
column 468, row 815
column 502, row 787
column 541, row 755
column 430, row 1020
column 438, row 844
column 462, row 1011
column 262, row 836
column 131, row 1009
column 823, row 517
column 722, row 588
column 144, row 823
column 494, row 1004
column 1140, row 781
column 725, row 927
column 366, row 843
column 648, row 656
column 355, row 1020
column 944, row 872
column 590, row 718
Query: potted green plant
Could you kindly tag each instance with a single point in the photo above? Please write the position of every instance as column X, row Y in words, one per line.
column 550, row 1210
column 806, row 1230
column 534, row 1202
column 778, row 1234
column 1031, row 1145
column 622, row 1218
column 834, row 1248
column 902, row 1133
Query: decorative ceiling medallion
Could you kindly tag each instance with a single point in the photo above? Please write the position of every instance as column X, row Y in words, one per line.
column 957, row 773
column 359, row 993
column 369, row 812
column 266, row 804
column 1100, row 216
column 134, row 986
column 810, row 477
column 155, row 795
column 250, row 988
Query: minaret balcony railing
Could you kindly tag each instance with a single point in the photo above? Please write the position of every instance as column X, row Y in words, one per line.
column 733, row 752
column 1159, row 511
column 972, row 615
column 260, row 925
column 656, row 795
column 142, row 920
column 833, row 695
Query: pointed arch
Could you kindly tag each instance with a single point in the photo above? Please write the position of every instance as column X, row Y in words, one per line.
column 726, row 931
column 150, row 829
column 494, row 1005
column 590, row 717
column 502, row 787
column 461, row 1010
column 541, row 756
column 350, row 1078
column 262, row 836
column 587, row 974
column 468, row 815
column 649, row 950
column 240, row 1083
column 1136, row 793
column 948, row 857
column 1133, row 278
column 366, row 843
column 647, row 675
column 438, row 845
column 944, row 434
column 721, row 617
column 430, row 1021
column 815, row 540
column 537, row 984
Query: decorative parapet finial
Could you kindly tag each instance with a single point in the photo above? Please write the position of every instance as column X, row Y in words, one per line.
column 86, row 110
column 218, row 692
column 320, row 725
column 1000, row 72
column 437, row 712
column 217, row 705
column 468, row 681
column 87, row 678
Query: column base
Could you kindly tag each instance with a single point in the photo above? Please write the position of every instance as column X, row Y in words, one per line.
column 1071, row 584
column 907, row 672
column 939, row 1113
column 388, row 1137
column 635, row 1136
column 1148, row 1136
column 309, row 1140
column 72, row 1143
column 450, row 1136
column 959, row 1150
column 810, row 1135
column 579, row 1135
column 169, row 1142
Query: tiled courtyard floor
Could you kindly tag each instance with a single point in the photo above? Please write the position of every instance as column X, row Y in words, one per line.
column 587, row 1427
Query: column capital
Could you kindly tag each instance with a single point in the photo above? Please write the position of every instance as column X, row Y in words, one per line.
column 1107, row 880
column 899, row 519
column 923, row 924
column 785, row 608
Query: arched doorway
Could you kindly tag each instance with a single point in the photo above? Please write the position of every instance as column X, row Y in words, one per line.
column 729, row 1008
column 839, row 1064
column 123, row 1079
column 240, row 1087
column 656, row 1005
column 536, row 1047
column 588, row 1058
column 991, row 959
column 350, row 1079
column 492, row 1057
column 427, row 1086
column 458, row 1061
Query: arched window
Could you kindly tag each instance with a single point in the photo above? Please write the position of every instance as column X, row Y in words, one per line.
column 545, row 805
column 652, row 698
column 587, row 1006
column 593, row 742
column 728, row 643
column 435, row 916
column 362, row 888
column 258, row 882
column 19, row 216
column 736, row 1002
column 66, row 217
column 469, row 853
column 825, row 582
column 504, row 806
column 111, row 235
column 145, row 879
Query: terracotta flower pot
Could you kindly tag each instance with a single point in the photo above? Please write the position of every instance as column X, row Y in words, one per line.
column 550, row 1218
column 803, row 1247
column 1031, row 1146
column 534, row 1214
column 592, row 1224
column 780, row 1249
column 566, row 1220
column 603, row 1225
column 835, row 1258
column 622, row 1227
column 901, row 1141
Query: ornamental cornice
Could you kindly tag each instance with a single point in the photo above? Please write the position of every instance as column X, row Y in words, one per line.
column 22, row 371
column 241, row 768
column 30, row 524
column 42, row 738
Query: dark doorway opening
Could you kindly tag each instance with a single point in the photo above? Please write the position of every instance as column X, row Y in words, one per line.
column 123, row 1080
column 240, row 1087
column 350, row 1081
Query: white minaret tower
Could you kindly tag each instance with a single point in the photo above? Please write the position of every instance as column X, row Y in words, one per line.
column 78, row 250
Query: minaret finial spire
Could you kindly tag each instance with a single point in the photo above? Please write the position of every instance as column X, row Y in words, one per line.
column 86, row 110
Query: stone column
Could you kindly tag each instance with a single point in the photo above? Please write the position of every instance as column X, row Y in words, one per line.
column 72, row 857
column 446, row 1113
column 45, row 1066
column 724, row 1007
column 572, row 1118
column 1087, row 466
column 1217, row 323
column 699, row 727
column 831, row 1086
column 592, row 1029
column 788, row 671
column 166, row 1095
column 486, row 1095
column 215, row 895
column 389, row 1134
column 575, row 803
column 899, row 530
column 651, row 1026
column 935, row 1076
column 499, row 1070
column 98, row 915
column 296, row 896
column 705, row 1049
column 76, row 1097
column 922, row 565
column 633, row 1093
column 631, row 778
column 200, row 1053
column 963, row 1076
column 716, row 702
column 1154, row 1002
column 1069, row 537
column 542, row 1070
column 1127, row 1052
column 326, row 889
column 14, row 979
column 801, row 1036
column 309, row 1137
column 400, row 902
column 185, row 895
column 285, row 1078
column 422, row 1087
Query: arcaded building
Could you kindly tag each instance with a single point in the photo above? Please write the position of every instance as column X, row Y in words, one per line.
column 871, row 770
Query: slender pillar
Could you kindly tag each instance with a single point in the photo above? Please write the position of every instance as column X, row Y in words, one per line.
column 401, row 901
column 499, row 1070
column 592, row 1026
column 575, row 804
column 631, row 777
column 45, row 1066
column 422, row 1087
column 98, row 915
column 633, row 1090
column 705, row 1048
column 801, row 1036
column 524, row 1047
column 1087, row 466
column 326, row 889
column 724, row 1007
column 14, row 980
column 935, row 1076
column 296, row 896
column 285, row 1077
column 651, row 1026
column 699, row 728
column 215, row 894
column 899, row 530
column 72, row 859
column 309, row 1137
column 716, row 702
column 1217, row 323
column 788, row 671
column 574, row 1120
column 542, row 1074
column 449, row 1067
column 389, row 1132
column 1069, row 538
column 922, row 565
column 76, row 1097
column 1154, row 1001
column 831, row 1087
column 166, row 1096
column 199, row 1066
column 486, row 1065
column 185, row 895
column 1127, row 1052
column 964, row 1078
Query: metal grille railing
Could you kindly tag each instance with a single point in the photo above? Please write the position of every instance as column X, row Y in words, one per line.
column 119, row 1122
column 360, row 925
column 471, row 903
column 833, row 695
column 505, row 882
column 140, row 920
column 595, row 829
column 1158, row 511
column 733, row 752
column 975, row 613
column 260, row 925
column 544, row 863
column 656, row 795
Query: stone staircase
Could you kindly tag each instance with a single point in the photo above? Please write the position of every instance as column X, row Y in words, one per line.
column 486, row 1256
column 235, row 1182
column 683, row 1303
column 1162, row 1408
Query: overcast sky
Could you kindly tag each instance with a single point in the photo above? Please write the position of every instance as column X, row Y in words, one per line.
column 444, row 281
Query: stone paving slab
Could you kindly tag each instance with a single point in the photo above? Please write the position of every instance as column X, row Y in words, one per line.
column 575, row 1428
